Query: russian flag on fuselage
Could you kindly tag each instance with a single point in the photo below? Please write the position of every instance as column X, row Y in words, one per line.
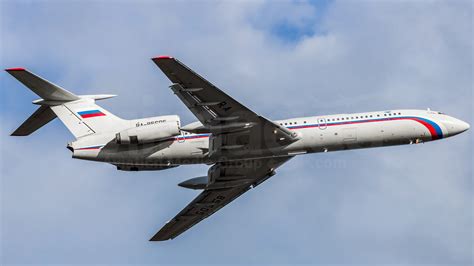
column 90, row 113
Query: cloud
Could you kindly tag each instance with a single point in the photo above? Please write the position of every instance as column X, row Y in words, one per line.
column 408, row 204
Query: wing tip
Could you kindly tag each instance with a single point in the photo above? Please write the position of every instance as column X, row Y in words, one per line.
column 160, row 57
column 15, row 69
column 159, row 238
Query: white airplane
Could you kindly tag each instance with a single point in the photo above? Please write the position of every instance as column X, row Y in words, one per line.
column 243, row 147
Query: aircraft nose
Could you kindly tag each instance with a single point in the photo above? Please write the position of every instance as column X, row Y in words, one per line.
column 456, row 126
column 463, row 126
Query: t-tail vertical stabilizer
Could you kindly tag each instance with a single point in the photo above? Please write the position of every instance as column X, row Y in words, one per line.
column 79, row 113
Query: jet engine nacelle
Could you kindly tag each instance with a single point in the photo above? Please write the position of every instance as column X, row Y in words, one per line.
column 150, row 130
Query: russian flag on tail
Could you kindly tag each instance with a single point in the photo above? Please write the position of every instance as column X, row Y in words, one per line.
column 90, row 113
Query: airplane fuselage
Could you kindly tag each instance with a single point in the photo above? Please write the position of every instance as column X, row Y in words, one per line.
column 316, row 134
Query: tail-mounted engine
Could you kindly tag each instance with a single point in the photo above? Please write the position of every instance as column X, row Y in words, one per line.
column 150, row 130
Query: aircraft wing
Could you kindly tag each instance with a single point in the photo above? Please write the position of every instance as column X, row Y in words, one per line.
column 220, row 114
column 229, row 180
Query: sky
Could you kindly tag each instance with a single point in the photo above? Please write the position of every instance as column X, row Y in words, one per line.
column 396, row 205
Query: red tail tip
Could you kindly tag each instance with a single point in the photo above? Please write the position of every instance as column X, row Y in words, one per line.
column 15, row 69
column 162, row 57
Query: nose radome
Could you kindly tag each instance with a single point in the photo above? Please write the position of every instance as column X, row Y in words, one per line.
column 463, row 126
column 456, row 126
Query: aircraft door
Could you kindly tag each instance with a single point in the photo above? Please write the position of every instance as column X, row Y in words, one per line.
column 322, row 123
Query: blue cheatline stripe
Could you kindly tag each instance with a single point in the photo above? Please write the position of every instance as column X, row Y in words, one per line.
column 436, row 127
column 89, row 112
column 192, row 136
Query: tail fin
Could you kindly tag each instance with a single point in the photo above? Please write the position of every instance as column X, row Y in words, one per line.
column 80, row 114
column 84, row 117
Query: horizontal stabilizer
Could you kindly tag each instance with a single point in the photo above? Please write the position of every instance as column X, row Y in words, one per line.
column 40, row 86
column 41, row 117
